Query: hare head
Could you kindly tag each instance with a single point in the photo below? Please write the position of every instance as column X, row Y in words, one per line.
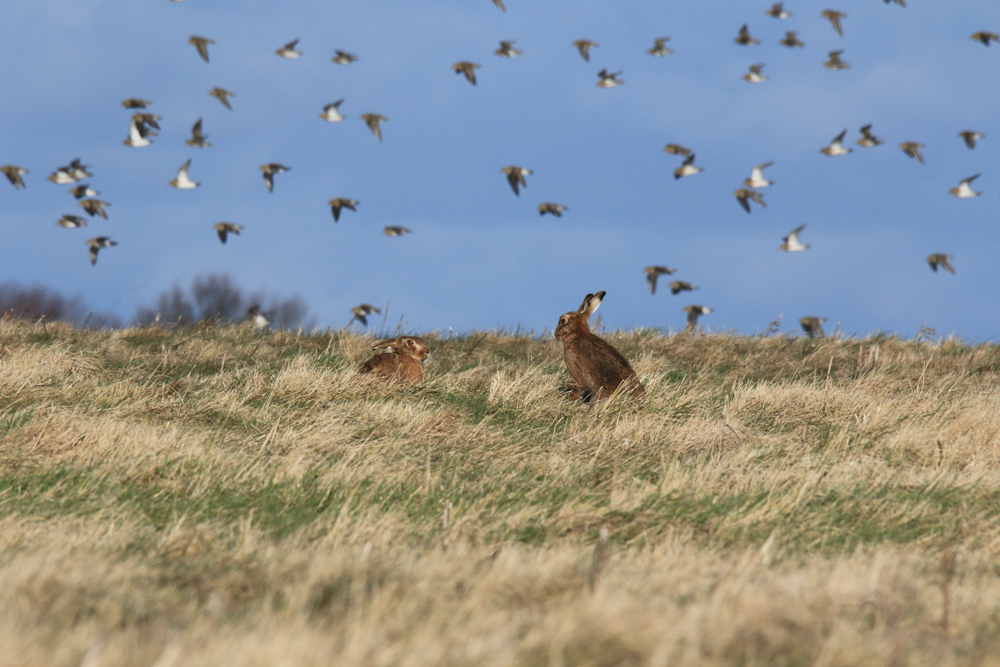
column 576, row 323
column 410, row 346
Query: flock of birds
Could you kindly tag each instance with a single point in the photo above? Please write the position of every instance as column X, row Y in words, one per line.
column 143, row 125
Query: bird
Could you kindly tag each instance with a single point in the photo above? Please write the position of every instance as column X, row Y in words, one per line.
column 833, row 16
column 373, row 120
column 584, row 46
column 270, row 169
column 744, row 38
column 258, row 317
column 836, row 146
column 506, row 50
column 964, row 189
column 868, row 140
column 288, row 50
column 331, row 112
column 224, row 228
column 361, row 313
column 499, row 3
column 137, row 134
column 135, row 103
column 654, row 272
column 835, row 63
column 901, row 3
column 468, row 69
column 553, row 208
column 677, row 149
column 77, row 170
column 942, row 260
column 678, row 286
column 183, row 181
column 95, row 207
column 222, row 95
column 744, row 197
column 791, row 242
column 96, row 244
column 343, row 57
column 197, row 139
column 971, row 137
column 778, row 11
column 340, row 203
column 791, row 40
column 659, row 48
column 396, row 230
column 201, row 43
column 757, row 179
column 84, row 190
column 687, row 168
column 912, row 148
column 14, row 174
column 608, row 79
column 694, row 312
column 515, row 177
column 71, row 222
column 813, row 326
column 754, row 75
column 985, row 37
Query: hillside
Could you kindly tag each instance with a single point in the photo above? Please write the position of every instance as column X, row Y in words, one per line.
column 215, row 496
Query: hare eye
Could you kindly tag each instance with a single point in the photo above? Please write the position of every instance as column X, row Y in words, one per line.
column 562, row 320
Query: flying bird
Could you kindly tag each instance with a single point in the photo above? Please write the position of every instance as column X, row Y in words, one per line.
column 654, row 272
column 744, row 197
column 197, row 139
column 506, row 50
column 584, row 46
column 183, row 181
column 778, row 11
column 96, row 244
column 468, row 69
column 499, row 3
column 835, row 63
column 687, row 168
column 757, row 179
column 836, row 146
column 813, row 326
column 985, row 37
column 396, row 230
column 84, row 190
column 361, row 313
column 964, row 189
column 942, row 260
column 833, row 16
column 140, row 129
column 901, row 3
column 515, row 177
column 95, row 207
column 744, row 38
column 201, row 43
column 694, row 312
column 223, row 96
column 553, row 208
column 755, row 75
column 71, row 222
column 608, row 79
column 288, row 50
column 971, row 137
column 659, row 47
column 791, row 40
column 331, row 112
column 868, row 140
column 912, row 148
column 791, row 242
column 270, row 169
column 341, row 203
column 14, row 174
column 343, row 57
column 373, row 120
column 70, row 173
column 678, row 286
column 135, row 103
column 677, row 149
column 224, row 228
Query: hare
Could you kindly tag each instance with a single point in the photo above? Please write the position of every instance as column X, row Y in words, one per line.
column 399, row 359
column 597, row 368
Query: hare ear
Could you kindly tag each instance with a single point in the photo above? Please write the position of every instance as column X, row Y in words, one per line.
column 593, row 301
column 586, row 303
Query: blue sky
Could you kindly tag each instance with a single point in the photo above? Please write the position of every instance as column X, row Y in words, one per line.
column 479, row 256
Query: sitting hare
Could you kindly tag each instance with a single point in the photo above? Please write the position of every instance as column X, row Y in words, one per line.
column 399, row 359
column 597, row 368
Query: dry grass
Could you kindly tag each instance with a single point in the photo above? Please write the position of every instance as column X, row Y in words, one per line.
column 212, row 496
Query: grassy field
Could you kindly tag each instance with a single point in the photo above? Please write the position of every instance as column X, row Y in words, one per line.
column 214, row 496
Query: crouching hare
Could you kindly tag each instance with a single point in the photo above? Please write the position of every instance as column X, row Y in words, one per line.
column 400, row 359
column 598, row 369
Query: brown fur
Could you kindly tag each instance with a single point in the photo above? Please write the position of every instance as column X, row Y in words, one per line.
column 401, row 359
column 597, row 368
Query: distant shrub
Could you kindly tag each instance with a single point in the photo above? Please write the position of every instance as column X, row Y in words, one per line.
column 31, row 303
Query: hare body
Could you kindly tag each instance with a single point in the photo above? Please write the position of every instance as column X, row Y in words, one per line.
column 398, row 359
column 597, row 368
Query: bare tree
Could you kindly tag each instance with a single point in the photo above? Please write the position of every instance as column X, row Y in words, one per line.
column 31, row 303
